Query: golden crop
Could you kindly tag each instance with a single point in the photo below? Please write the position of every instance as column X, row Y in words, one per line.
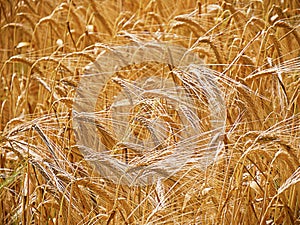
column 251, row 48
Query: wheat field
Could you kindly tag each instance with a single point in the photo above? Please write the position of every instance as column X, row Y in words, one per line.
column 217, row 143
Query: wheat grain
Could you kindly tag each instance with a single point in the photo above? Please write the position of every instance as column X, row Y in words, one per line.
column 97, row 14
column 213, row 46
column 27, row 17
column 191, row 22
